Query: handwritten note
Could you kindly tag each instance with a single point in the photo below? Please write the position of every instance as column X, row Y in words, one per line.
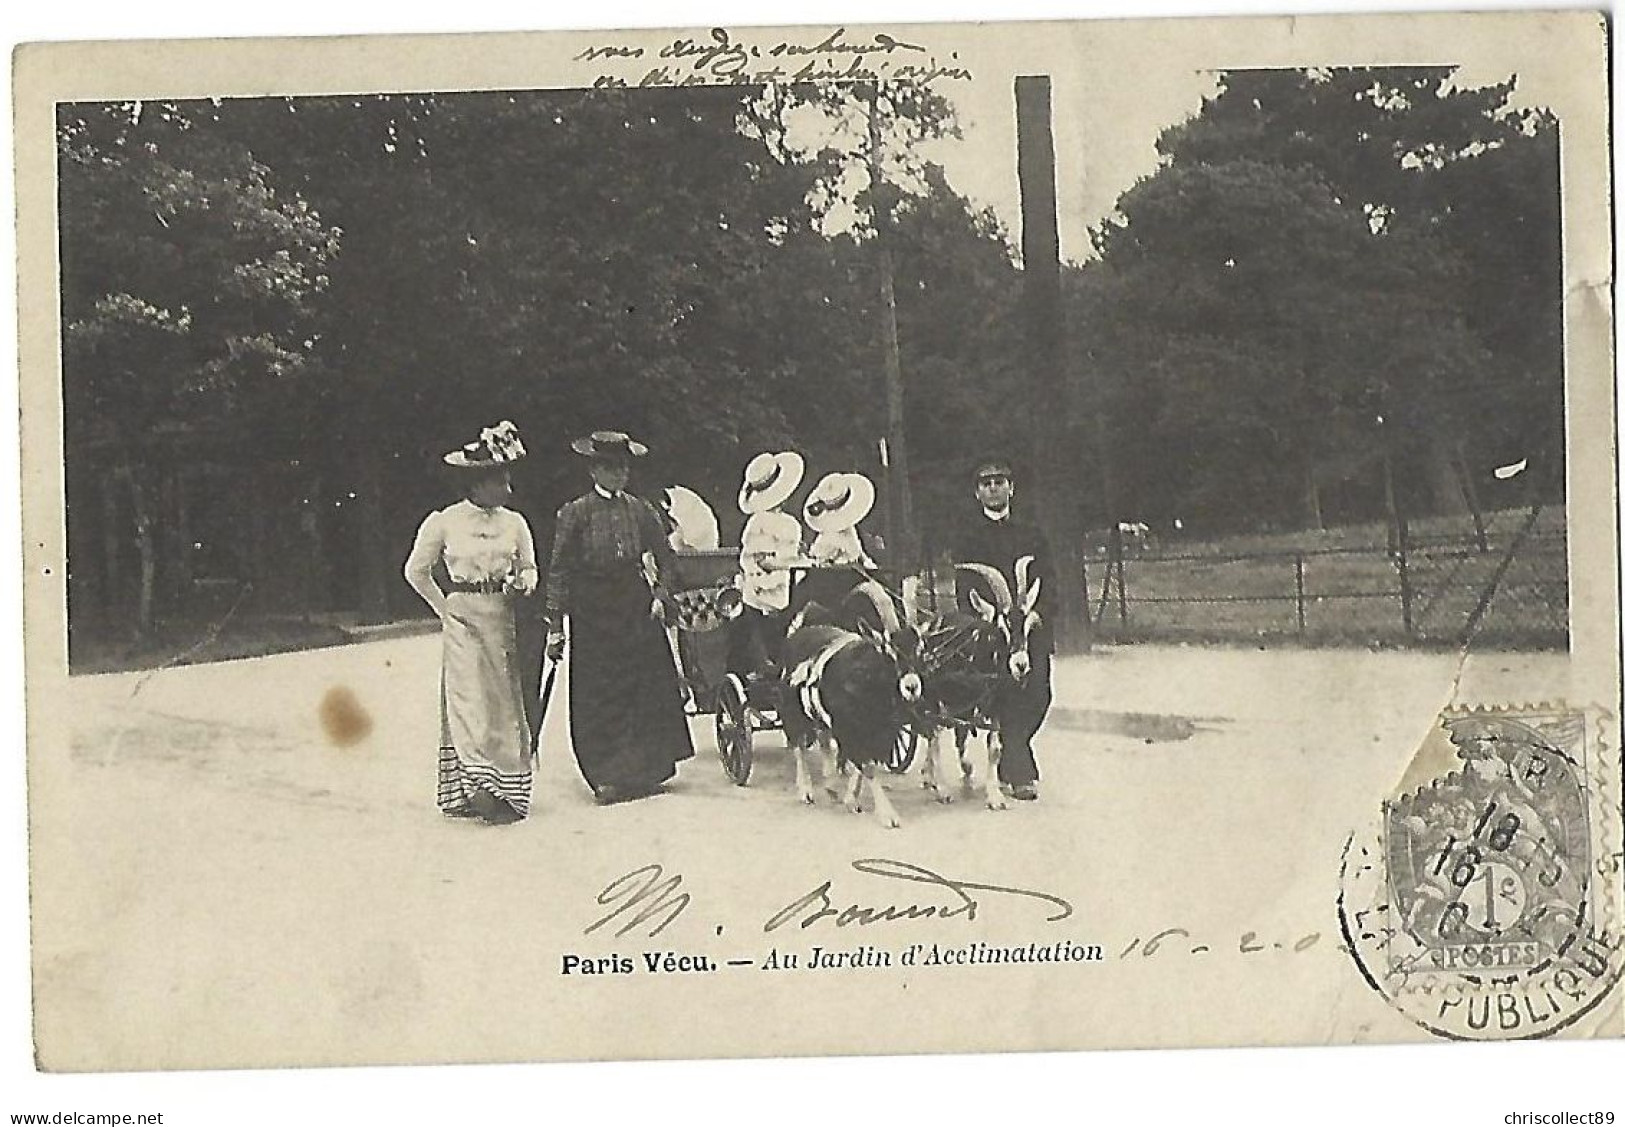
column 724, row 58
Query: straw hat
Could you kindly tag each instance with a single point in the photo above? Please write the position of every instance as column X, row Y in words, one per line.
column 770, row 479
column 609, row 444
column 840, row 501
column 496, row 447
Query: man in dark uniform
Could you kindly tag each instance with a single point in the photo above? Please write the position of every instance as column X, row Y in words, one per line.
column 995, row 536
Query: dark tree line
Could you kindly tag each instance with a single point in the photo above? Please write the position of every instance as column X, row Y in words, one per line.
column 278, row 312
column 1335, row 279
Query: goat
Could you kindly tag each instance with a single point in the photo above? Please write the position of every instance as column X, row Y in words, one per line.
column 848, row 688
column 980, row 658
column 963, row 663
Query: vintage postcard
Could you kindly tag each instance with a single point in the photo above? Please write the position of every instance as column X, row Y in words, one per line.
column 980, row 537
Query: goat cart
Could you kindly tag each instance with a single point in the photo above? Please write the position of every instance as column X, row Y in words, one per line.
column 742, row 693
column 707, row 593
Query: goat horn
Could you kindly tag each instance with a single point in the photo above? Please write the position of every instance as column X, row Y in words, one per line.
column 1024, row 576
column 874, row 593
column 996, row 580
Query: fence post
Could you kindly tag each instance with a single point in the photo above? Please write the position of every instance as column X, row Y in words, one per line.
column 1105, row 593
column 1298, row 569
column 1088, row 619
column 1405, row 580
column 1122, row 577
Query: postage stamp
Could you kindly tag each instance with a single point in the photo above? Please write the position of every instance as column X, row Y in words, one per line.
column 1485, row 907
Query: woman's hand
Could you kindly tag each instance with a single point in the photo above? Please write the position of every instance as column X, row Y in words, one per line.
column 663, row 607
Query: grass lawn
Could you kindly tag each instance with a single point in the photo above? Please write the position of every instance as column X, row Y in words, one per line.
column 1246, row 587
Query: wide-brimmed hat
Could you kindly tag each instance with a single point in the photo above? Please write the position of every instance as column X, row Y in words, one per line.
column 495, row 448
column 841, row 500
column 609, row 444
column 769, row 481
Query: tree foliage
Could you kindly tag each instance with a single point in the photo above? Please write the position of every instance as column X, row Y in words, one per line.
column 658, row 261
column 339, row 288
column 1330, row 271
column 188, row 280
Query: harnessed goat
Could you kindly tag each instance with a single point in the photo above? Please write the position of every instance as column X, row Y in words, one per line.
column 975, row 661
column 848, row 689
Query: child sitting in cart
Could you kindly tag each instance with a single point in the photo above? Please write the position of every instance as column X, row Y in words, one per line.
column 834, row 510
column 769, row 547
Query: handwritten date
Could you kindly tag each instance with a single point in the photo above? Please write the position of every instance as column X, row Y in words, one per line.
column 1177, row 940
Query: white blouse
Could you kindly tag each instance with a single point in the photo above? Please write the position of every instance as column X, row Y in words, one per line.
column 839, row 546
column 477, row 545
column 768, row 547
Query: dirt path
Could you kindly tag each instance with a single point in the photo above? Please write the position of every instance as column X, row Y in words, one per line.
column 217, row 882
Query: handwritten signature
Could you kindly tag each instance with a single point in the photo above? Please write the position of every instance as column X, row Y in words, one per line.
column 649, row 898
column 818, row 905
column 643, row 896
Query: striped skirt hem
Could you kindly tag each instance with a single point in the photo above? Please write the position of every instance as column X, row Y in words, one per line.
column 460, row 781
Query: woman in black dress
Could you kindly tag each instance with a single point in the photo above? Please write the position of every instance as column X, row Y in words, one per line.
column 607, row 579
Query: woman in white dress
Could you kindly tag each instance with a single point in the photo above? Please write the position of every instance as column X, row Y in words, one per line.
column 490, row 556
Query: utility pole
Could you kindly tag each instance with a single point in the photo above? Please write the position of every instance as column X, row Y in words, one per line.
column 1048, row 381
column 901, row 549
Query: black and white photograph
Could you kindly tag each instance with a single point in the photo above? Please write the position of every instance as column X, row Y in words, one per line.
column 824, row 540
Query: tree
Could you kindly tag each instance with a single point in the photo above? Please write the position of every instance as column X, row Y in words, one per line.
column 659, row 260
column 571, row 260
column 957, row 287
column 1501, row 214
column 188, row 283
column 1318, row 252
column 1419, row 154
column 877, row 129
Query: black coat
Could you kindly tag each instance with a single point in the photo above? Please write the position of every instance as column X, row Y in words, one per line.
column 1000, row 543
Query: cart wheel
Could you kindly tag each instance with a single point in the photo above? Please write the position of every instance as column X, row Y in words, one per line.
column 733, row 730
column 902, row 751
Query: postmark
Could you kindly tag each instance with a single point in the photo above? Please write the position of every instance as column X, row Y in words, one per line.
column 1483, row 905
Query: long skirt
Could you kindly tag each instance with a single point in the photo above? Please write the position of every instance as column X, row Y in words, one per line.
column 627, row 725
column 484, row 737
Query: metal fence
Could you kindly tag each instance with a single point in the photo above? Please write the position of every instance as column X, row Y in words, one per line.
column 1506, row 586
